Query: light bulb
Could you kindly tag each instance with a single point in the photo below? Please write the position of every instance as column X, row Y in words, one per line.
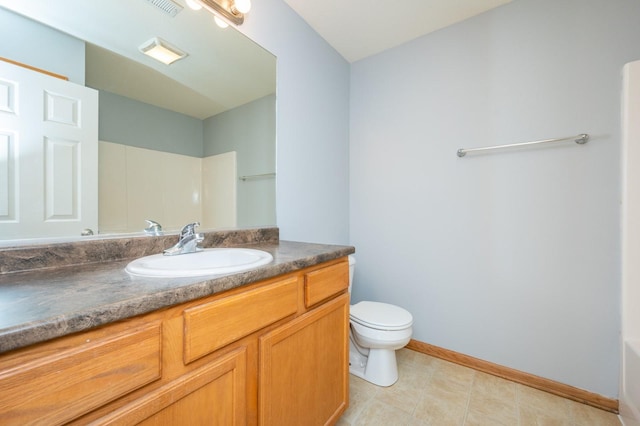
column 242, row 6
column 220, row 22
column 194, row 4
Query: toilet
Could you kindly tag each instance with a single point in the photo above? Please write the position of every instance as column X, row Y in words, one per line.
column 377, row 330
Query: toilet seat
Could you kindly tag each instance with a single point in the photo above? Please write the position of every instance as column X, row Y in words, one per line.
column 380, row 316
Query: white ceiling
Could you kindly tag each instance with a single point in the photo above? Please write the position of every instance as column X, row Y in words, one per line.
column 361, row 28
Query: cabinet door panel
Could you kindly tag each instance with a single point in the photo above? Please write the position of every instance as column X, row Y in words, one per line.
column 211, row 395
column 303, row 375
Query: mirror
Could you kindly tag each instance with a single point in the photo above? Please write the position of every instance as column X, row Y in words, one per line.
column 194, row 140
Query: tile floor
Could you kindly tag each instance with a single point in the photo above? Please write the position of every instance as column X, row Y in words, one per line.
column 434, row 392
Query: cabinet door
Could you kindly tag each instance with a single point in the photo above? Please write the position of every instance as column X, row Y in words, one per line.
column 303, row 375
column 211, row 395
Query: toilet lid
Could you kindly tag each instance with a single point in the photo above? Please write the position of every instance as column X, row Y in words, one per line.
column 381, row 316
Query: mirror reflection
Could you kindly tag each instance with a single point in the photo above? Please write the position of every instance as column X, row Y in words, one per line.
column 190, row 141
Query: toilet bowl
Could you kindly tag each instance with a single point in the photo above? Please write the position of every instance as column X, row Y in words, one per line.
column 377, row 330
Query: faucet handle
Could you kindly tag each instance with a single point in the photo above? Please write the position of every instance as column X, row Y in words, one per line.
column 189, row 229
column 188, row 242
column 154, row 227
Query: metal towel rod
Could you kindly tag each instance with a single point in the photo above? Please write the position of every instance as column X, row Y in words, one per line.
column 580, row 139
column 264, row 175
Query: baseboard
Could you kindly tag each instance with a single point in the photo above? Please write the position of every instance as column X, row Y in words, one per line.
column 526, row 379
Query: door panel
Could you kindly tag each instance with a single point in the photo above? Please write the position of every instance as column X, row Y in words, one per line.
column 48, row 155
column 8, row 178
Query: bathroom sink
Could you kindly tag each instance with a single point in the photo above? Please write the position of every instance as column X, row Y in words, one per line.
column 211, row 261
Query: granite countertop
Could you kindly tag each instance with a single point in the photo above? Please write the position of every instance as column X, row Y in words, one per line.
column 42, row 304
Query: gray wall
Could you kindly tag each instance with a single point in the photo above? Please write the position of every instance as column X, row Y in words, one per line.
column 512, row 257
column 312, row 189
column 41, row 47
column 250, row 131
column 129, row 122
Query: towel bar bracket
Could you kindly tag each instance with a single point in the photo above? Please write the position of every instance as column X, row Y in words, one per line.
column 582, row 139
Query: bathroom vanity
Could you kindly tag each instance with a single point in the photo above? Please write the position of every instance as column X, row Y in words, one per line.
column 267, row 346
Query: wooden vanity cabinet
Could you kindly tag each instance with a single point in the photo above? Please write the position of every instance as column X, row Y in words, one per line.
column 272, row 352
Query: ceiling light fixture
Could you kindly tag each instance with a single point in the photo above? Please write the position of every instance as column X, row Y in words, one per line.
column 242, row 6
column 226, row 10
column 162, row 51
column 194, row 4
column 220, row 22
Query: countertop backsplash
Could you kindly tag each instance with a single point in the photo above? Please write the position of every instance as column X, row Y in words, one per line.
column 29, row 257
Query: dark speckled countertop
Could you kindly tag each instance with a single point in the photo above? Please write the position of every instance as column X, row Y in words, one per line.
column 48, row 302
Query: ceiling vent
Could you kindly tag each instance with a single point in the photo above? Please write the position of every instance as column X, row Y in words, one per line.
column 169, row 7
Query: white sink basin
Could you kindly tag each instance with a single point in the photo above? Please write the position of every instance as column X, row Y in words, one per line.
column 212, row 261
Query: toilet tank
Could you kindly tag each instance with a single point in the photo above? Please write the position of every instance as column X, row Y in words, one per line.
column 352, row 265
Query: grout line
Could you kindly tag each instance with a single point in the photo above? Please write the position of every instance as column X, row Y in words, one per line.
column 423, row 391
column 466, row 409
column 517, row 403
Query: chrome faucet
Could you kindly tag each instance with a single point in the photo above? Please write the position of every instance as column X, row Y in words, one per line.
column 154, row 228
column 188, row 242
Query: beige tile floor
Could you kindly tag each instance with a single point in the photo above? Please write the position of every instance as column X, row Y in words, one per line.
column 434, row 392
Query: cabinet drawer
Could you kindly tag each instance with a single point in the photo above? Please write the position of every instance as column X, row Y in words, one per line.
column 323, row 283
column 216, row 324
column 62, row 386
